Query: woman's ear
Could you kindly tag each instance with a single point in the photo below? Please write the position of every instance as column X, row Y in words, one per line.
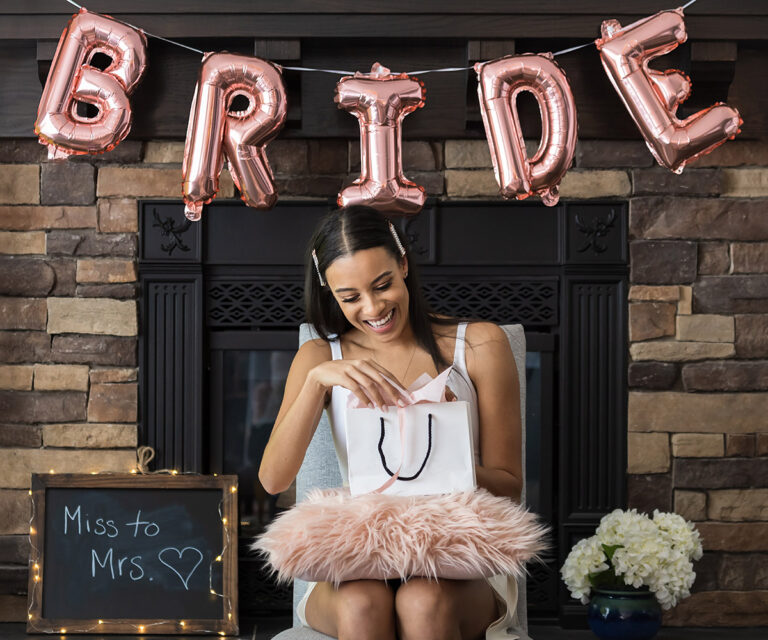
column 404, row 266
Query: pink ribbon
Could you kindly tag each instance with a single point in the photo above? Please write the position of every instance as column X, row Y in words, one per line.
column 423, row 389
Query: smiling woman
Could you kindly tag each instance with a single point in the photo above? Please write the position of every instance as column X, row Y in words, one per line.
column 364, row 300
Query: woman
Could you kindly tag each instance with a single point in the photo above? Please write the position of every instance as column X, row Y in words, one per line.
column 361, row 286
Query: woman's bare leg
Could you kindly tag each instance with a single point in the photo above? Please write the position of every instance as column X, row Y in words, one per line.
column 357, row 610
column 445, row 609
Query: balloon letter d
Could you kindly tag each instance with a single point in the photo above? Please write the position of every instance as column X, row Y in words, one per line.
column 499, row 82
column 651, row 96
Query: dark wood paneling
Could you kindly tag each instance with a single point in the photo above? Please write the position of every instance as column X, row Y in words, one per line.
column 601, row 7
column 443, row 114
column 171, row 369
column 443, row 25
column 20, row 89
column 519, row 234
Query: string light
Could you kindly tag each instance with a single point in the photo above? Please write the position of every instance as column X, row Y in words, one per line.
column 105, row 625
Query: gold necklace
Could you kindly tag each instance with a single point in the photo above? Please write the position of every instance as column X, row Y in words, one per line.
column 407, row 369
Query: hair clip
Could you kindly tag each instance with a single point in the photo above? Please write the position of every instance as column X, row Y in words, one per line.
column 399, row 244
column 317, row 268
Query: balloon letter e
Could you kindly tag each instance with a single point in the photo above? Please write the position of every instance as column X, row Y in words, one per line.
column 219, row 127
column 380, row 101
column 652, row 97
column 74, row 79
column 499, row 83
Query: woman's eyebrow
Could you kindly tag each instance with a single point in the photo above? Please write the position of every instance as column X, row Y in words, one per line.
column 374, row 281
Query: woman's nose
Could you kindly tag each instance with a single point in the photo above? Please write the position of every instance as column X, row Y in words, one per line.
column 372, row 307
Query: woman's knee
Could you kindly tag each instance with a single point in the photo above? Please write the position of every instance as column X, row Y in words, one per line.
column 365, row 609
column 424, row 609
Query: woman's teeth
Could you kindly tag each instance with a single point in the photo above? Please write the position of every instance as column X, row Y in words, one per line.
column 383, row 321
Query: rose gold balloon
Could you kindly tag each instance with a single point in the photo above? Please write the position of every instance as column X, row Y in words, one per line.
column 215, row 132
column 380, row 101
column 652, row 97
column 499, row 83
column 73, row 79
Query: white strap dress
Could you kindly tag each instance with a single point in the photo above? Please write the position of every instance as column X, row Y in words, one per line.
column 507, row 627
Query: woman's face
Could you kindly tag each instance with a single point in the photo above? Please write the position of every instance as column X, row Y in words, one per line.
column 369, row 286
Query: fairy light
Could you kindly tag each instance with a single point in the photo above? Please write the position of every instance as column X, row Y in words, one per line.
column 100, row 623
column 51, row 471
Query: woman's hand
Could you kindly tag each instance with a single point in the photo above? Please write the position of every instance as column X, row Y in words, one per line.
column 367, row 379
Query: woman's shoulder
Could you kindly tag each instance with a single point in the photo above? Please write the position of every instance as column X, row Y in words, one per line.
column 313, row 352
column 488, row 350
column 482, row 333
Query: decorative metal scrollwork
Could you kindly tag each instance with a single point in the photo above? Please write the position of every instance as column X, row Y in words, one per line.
column 594, row 231
column 168, row 228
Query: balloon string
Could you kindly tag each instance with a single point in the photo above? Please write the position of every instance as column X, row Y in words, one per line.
column 351, row 73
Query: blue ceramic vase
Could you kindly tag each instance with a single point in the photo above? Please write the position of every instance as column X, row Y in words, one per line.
column 631, row 614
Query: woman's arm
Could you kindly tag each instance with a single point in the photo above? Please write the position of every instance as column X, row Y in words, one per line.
column 303, row 402
column 491, row 366
column 313, row 373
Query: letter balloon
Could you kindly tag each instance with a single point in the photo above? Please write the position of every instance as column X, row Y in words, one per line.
column 73, row 78
column 216, row 130
column 652, row 97
column 380, row 100
column 499, row 83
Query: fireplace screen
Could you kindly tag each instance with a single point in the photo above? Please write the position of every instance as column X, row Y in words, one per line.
column 249, row 370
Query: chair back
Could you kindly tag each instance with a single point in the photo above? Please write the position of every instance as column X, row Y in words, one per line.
column 320, row 469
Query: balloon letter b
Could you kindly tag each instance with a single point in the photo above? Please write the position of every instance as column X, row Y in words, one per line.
column 652, row 97
column 74, row 79
column 215, row 130
column 499, row 82
column 380, row 101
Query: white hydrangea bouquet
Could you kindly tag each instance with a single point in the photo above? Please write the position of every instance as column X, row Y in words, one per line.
column 631, row 549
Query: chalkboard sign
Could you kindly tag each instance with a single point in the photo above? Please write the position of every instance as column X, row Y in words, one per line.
column 124, row 553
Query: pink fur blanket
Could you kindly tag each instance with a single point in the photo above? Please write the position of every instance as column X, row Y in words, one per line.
column 332, row 536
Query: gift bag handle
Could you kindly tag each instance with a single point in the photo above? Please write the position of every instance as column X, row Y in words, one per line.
column 423, row 464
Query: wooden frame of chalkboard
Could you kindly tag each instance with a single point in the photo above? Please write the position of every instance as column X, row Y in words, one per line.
column 113, row 553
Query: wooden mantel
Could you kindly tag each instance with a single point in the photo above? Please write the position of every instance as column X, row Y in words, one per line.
column 401, row 34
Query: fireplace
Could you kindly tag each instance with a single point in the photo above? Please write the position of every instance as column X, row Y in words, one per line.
column 221, row 305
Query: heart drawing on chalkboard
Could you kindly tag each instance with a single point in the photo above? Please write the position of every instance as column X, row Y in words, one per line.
column 183, row 563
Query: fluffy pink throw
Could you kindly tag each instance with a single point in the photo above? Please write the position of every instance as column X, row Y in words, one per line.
column 334, row 537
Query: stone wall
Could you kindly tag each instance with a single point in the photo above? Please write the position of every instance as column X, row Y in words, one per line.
column 698, row 435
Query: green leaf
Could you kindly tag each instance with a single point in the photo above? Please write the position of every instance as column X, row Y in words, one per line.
column 610, row 550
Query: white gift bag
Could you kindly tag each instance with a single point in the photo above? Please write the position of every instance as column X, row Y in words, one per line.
column 423, row 448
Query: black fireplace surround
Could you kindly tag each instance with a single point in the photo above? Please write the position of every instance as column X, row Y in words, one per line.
column 233, row 284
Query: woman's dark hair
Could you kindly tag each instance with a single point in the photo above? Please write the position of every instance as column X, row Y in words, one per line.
column 344, row 232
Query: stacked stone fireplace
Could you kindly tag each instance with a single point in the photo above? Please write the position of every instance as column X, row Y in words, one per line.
column 697, row 440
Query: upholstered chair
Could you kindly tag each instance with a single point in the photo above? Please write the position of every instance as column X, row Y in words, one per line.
column 320, row 470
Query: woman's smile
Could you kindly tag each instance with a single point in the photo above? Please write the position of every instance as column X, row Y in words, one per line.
column 383, row 324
